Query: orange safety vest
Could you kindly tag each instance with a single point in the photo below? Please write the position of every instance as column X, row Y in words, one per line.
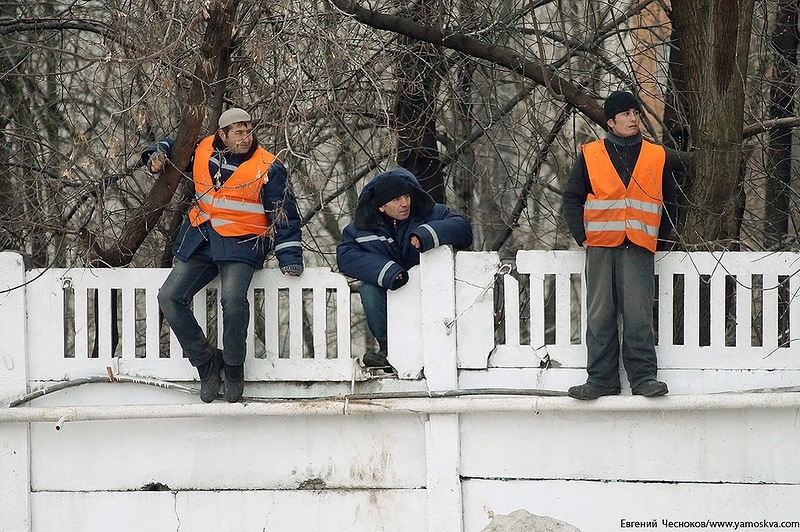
column 613, row 212
column 235, row 209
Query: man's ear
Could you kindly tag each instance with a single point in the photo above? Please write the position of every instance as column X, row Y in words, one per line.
column 381, row 209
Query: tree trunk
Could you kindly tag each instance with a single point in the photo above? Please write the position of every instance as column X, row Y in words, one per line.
column 783, row 86
column 418, row 76
column 217, row 38
column 462, row 173
column 714, row 37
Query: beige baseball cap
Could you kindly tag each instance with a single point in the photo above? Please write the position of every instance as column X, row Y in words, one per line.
column 234, row 115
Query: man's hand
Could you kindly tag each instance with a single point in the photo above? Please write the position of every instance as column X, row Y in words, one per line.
column 415, row 242
column 157, row 161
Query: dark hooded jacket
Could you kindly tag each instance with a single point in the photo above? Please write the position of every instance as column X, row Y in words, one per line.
column 374, row 251
column 279, row 204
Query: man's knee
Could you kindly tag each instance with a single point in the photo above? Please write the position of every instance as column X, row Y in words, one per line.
column 165, row 298
column 372, row 296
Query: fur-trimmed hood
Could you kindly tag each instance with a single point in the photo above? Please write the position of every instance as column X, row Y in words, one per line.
column 368, row 216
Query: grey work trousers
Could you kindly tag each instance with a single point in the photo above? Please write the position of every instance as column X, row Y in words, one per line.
column 620, row 283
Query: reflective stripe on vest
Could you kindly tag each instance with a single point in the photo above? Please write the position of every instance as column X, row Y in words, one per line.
column 613, row 212
column 235, row 209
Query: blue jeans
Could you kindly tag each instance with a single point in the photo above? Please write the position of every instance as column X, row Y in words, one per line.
column 175, row 299
column 373, row 299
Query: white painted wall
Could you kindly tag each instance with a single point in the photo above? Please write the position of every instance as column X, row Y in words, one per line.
column 441, row 453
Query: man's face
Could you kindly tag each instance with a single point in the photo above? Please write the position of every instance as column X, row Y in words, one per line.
column 625, row 124
column 398, row 208
column 238, row 138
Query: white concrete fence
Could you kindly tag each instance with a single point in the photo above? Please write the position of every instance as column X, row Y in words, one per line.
column 475, row 425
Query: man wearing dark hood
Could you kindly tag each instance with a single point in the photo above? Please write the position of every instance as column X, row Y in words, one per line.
column 395, row 221
column 243, row 208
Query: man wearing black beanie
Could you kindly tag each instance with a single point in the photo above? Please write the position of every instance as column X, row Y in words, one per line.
column 395, row 221
column 620, row 205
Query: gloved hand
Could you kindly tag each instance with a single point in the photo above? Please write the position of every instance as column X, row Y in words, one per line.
column 399, row 281
column 295, row 270
column 157, row 161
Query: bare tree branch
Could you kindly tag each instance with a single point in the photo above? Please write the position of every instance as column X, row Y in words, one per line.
column 499, row 55
column 217, row 38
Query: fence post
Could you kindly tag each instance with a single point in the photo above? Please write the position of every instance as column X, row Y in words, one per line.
column 14, row 437
column 437, row 291
column 403, row 307
column 474, row 286
column 443, row 464
column 442, row 435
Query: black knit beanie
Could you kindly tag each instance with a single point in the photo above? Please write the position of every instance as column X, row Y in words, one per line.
column 389, row 188
column 619, row 101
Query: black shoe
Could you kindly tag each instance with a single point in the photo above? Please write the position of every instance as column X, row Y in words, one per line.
column 587, row 392
column 375, row 360
column 651, row 388
column 234, row 383
column 210, row 380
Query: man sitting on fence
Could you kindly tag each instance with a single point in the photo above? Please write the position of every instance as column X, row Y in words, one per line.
column 243, row 204
column 395, row 221
column 613, row 204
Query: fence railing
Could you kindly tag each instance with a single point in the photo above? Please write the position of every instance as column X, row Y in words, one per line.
column 82, row 320
column 712, row 310
column 460, row 311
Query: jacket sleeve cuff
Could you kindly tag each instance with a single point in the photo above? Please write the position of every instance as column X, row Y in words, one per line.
column 428, row 238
